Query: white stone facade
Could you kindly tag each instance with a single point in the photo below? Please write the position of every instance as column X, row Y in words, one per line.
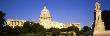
column 15, row 22
column 45, row 20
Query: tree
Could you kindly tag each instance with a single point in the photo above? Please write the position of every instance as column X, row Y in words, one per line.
column 2, row 22
column 17, row 30
column 81, row 32
column 86, row 31
column 64, row 29
column 33, row 28
column 54, row 31
column 70, row 29
column 2, row 19
column 86, row 28
column 106, row 19
column 73, row 28
column 6, row 30
column 38, row 29
column 27, row 27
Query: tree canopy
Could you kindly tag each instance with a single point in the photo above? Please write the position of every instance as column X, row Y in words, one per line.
column 106, row 19
column 54, row 31
column 2, row 19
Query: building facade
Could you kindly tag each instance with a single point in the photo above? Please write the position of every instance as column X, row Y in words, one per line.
column 45, row 20
column 15, row 22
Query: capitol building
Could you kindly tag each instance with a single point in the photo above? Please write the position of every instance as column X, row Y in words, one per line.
column 45, row 19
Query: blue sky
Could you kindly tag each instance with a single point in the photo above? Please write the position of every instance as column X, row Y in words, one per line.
column 61, row 10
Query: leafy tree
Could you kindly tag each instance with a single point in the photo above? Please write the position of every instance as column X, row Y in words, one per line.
column 70, row 29
column 6, row 30
column 33, row 28
column 64, row 29
column 73, row 28
column 2, row 19
column 86, row 28
column 27, row 27
column 85, row 31
column 17, row 30
column 54, row 31
column 81, row 32
column 106, row 19
column 38, row 29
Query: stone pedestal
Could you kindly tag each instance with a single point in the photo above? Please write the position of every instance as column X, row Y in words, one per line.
column 105, row 33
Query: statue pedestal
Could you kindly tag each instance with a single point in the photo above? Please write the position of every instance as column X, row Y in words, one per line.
column 104, row 33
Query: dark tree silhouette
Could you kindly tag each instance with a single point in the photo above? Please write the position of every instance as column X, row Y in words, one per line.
column 73, row 28
column 6, row 30
column 2, row 19
column 38, row 29
column 54, row 31
column 86, row 31
column 106, row 19
column 86, row 28
column 17, row 30
column 27, row 27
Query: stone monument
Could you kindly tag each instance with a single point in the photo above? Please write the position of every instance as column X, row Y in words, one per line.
column 99, row 25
